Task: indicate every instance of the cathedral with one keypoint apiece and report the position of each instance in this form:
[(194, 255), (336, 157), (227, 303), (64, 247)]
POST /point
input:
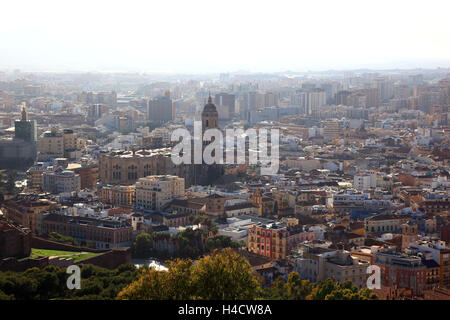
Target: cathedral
[(204, 174), (210, 116), (125, 167)]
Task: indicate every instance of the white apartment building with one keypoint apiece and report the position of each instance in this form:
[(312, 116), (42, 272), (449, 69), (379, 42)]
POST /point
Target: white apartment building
[(364, 181), (60, 181), (153, 192), (316, 99), (309, 100)]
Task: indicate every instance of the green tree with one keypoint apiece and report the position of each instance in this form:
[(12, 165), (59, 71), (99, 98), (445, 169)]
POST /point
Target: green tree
[(296, 288), (151, 285), (222, 275), (4, 296), (225, 275), (50, 283), (142, 245), (293, 289), (330, 290)]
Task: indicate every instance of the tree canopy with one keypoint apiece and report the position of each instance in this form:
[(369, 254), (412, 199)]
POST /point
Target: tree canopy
[(221, 275), (51, 283), (186, 244)]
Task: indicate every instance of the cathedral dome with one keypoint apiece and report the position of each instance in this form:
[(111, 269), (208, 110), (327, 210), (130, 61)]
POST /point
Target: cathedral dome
[(209, 107)]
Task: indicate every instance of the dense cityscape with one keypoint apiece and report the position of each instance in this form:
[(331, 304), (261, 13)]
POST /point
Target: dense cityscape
[(88, 179)]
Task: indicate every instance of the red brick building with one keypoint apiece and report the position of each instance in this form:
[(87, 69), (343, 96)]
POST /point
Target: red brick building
[(105, 233), (402, 271)]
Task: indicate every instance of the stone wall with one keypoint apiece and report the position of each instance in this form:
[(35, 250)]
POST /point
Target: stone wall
[(111, 259), (14, 241), (41, 243), (20, 265)]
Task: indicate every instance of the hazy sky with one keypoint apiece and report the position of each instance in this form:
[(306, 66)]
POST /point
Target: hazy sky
[(228, 35)]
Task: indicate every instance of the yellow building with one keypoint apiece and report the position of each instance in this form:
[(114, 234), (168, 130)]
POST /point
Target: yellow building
[(122, 196), (28, 212), (51, 144), (58, 144)]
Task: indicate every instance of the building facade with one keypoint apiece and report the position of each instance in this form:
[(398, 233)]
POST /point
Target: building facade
[(154, 192), (401, 271), (122, 196), (60, 181), (269, 240), (160, 109), (126, 167), (104, 233), (27, 211), (58, 144)]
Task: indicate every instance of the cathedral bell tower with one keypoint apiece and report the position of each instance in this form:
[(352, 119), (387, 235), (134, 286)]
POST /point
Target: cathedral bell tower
[(210, 116)]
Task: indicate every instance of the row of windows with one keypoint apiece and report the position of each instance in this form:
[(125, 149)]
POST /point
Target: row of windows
[(391, 228)]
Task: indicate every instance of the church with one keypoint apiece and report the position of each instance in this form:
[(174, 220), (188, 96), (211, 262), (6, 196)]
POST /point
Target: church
[(204, 174), (210, 116)]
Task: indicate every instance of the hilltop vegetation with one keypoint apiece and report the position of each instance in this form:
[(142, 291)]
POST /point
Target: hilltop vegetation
[(222, 275)]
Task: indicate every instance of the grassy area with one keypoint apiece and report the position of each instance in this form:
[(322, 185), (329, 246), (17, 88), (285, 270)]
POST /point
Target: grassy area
[(76, 256)]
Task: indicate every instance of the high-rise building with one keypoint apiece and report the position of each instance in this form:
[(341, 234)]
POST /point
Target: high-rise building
[(270, 99), (385, 88), (97, 110), (160, 109), (316, 98), (226, 99), (309, 100), (341, 97), (252, 101), (226, 106)]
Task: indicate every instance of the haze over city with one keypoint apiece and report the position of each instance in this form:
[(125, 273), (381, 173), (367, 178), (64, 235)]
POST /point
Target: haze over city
[(206, 36)]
